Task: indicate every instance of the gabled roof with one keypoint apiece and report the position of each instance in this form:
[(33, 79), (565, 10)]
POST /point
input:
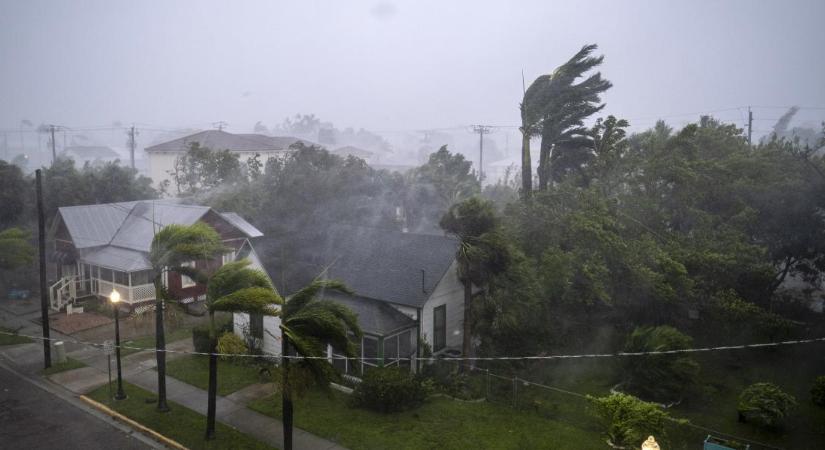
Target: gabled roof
[(379, 264), (119, 235), (374, 317), (221, 140)]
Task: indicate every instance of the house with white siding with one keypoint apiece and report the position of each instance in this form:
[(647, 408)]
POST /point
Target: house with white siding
[(162, 157), (406, 291)]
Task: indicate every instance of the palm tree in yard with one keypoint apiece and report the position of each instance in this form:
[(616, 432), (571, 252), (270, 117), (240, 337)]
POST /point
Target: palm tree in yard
[(555, 107), (234, 288), (172, 248), (482, 253), (308, 325)]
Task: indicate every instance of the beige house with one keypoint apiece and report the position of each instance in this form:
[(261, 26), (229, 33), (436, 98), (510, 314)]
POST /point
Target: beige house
[(162, 156)]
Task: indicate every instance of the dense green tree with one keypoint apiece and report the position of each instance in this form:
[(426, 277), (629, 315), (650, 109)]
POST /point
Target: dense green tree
[(203, 168), (659, 377), (14, 190), (764, 404), (173, 246), (482, 253), (15, 249), (629, 420), (234, 288), (308, 325)]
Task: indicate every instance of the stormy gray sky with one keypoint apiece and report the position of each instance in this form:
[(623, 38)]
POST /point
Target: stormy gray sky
[(397, 65)]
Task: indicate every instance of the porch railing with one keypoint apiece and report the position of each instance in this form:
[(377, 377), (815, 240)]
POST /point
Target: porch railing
[(129, 294)]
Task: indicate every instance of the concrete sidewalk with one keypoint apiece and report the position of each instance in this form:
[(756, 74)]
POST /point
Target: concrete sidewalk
[(231, 410), (138, 369)]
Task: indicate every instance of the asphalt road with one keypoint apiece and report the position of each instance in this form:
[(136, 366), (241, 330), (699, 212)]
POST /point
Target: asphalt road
[(32, 418)]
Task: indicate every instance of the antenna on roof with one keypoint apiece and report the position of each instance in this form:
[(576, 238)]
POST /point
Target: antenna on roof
[(423, 281), (220, 125)]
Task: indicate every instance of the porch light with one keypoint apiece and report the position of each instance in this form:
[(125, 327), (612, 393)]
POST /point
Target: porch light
[(115, 296), (650, 444)]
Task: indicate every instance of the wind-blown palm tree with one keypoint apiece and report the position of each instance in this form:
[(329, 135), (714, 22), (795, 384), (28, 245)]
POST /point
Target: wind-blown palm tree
[(555, 107), (172, 247), (234, 288), (308, 325), (481, 254)]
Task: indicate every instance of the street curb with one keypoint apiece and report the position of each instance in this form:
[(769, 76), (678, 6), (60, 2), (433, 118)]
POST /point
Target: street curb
[(139, 427)]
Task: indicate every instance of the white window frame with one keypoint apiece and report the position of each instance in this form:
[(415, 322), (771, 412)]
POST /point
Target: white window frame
[(185, 281), (228, 257)]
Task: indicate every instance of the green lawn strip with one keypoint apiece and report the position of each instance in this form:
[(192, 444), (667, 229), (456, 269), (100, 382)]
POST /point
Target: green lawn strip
[(148, 342), (69, 364), (439, 423), (6, 339), (194, 369), (181, 424)]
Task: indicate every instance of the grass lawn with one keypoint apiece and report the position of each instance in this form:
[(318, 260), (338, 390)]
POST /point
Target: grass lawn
[(148, 342), (69, 364), (181, 424), (440, 423), (194, 369), (6, 339)]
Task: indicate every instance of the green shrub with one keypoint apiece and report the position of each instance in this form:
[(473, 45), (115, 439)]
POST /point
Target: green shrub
[(200, 334), (764, 404), (200, 338), (818, 391), (628, 420), (446, 378), (660, 377), (389, 389), (231, 343)]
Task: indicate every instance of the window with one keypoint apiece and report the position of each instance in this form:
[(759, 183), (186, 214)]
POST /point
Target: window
[(370, 354), (185, 281), (391, 350), (256, 325), (142, 277), (106, 274), (439, 327), (228, 257), (121, 278)]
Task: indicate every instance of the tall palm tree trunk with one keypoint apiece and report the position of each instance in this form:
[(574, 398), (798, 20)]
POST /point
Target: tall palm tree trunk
[(526, 166), (467, 340), (213, 379), (285, 394), (544, 166), (160, 347)]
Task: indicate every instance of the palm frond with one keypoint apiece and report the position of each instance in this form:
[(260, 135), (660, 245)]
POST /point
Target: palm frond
[(308, 293), (255, 300)]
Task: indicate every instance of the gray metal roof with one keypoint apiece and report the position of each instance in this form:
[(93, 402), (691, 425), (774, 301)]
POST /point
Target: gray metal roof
[(376, 263), (241, 224), (117, 258), (138, 229), (221, 140), (119, 235), (374, 317)]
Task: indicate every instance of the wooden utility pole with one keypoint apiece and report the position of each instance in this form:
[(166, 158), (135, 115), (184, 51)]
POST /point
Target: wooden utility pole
[(481, 130), (750, 125), (41, 246), (132, 145), (54, 152)]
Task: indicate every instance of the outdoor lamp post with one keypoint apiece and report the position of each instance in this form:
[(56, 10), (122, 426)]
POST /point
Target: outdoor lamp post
[(115, 298), (650, 444)]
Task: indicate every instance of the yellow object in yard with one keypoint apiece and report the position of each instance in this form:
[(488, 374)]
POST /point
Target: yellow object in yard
[(650, 444)]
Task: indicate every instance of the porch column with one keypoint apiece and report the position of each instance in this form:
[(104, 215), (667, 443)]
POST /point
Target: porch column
[(129, 274), (381, 351)]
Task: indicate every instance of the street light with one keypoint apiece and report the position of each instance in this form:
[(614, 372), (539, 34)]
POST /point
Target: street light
[(650, 444), (115, 299)]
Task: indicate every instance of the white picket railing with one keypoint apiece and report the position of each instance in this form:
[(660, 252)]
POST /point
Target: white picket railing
[(128, 294), (62, 292)]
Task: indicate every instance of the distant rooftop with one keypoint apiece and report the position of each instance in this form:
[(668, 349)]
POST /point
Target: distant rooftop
[(221, 140)]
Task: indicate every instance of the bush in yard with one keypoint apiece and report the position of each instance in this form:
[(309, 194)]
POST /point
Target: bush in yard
[(200, 338), (660, 377), (628, 420), (389, 389), (818, 391), (231, 343), (764, 404)]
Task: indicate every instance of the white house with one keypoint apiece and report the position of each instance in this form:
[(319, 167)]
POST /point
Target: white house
[(162, 156), (406, 290)]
